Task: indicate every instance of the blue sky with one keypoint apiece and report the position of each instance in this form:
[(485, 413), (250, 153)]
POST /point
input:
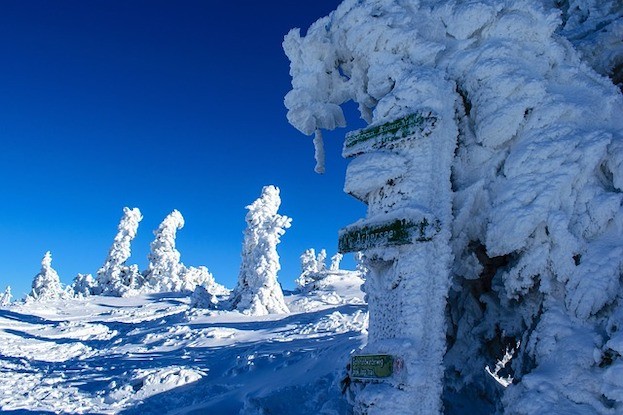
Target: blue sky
[(159, 105)]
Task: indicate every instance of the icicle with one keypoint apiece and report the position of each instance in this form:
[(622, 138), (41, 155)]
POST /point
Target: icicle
[(501, 364), (319, 152)]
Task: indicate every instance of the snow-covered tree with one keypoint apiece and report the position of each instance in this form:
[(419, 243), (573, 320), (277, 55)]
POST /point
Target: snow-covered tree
[(83, 285), (46, 285), (165, 272), (192, 277), (321, 260), (335, 262), (258, 292), (537, 176), (115, 277), (6, 297), (203, 298), (309, 267), (360, 264), (314, 267), (205, 290)]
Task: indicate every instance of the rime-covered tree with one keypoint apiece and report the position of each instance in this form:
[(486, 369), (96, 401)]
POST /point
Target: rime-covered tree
[(314, 267), (192, 277), (6, 297), (46, 285), (360, 264), (165, 272), (115, 277), (83, 285), (309, 267), (258, 292), (537, 177), (335, 262), (321, 260)]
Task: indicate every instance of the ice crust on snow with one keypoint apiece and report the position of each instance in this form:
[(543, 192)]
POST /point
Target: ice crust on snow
[(537, 176)]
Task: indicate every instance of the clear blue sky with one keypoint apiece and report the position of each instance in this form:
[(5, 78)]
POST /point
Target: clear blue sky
[(159, 105)]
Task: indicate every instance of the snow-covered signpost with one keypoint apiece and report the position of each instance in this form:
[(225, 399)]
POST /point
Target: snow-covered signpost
[(396, 172)]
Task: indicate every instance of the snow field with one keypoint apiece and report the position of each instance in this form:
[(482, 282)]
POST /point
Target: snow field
[(154, 354)]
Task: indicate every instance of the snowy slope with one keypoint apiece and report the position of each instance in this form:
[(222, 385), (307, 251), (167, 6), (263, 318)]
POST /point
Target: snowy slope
[(155, 354)]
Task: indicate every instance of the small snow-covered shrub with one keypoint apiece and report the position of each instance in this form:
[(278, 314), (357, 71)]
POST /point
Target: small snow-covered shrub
[(83, 285), (46, 284), (6, 297)]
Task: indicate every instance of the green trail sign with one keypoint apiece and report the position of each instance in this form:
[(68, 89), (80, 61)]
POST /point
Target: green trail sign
[(356, 238), (417, 125), (371, 366)]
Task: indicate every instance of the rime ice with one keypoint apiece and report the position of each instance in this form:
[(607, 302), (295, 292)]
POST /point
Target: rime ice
[(530, 218), (258, 291)]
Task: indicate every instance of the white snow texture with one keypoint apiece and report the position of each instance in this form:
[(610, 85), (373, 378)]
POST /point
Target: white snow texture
[(537, 176)]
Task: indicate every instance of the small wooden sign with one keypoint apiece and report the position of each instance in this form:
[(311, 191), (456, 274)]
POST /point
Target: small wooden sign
[(397, 232), (417, 125), (371, 366)]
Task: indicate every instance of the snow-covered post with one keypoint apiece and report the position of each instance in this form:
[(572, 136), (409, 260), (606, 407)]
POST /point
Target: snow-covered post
[(258, 292), (46, 284), (400, 168), (115, 277), (164, 270)]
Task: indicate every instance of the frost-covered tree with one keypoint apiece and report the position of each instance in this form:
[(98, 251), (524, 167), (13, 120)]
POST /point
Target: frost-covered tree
[(205, 290), (321, 260), (192, 277), (335, 262), (165, 272), (115, 277), (314, 267), (46, 285), (309, 268), (360, 264), (537, 177), (258, 292), (83, 285), (6, 297)]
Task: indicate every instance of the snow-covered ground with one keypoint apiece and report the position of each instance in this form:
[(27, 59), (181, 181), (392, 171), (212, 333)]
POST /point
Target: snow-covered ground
[(156, 354)]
